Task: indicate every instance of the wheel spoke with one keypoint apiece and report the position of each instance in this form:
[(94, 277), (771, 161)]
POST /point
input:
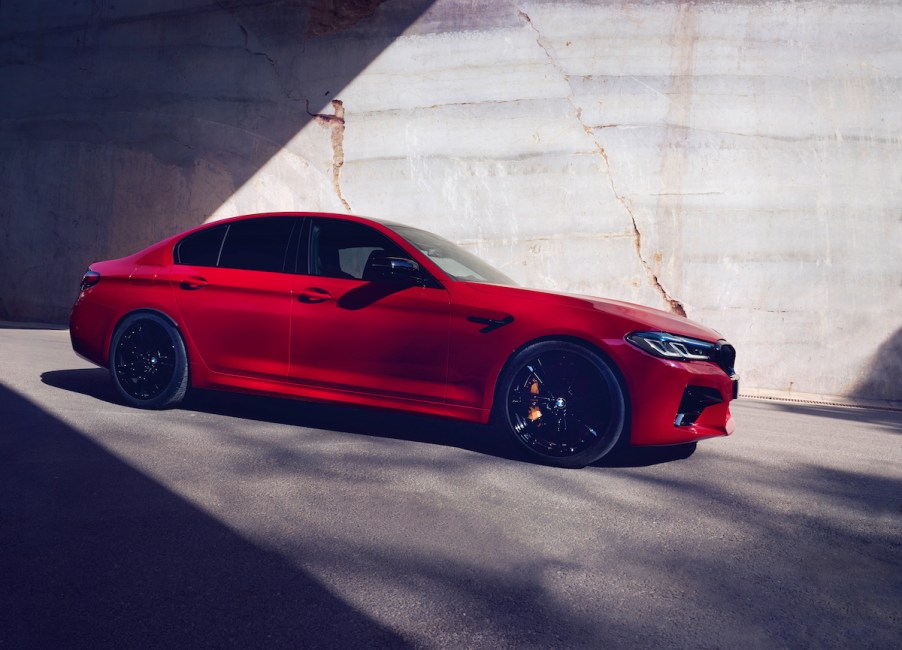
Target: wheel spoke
[(554, 374), (534, 382), (585, 426), (560, 382), (538, 372)]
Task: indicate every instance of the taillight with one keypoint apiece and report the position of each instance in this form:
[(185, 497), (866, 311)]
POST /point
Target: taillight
[(89, 279)]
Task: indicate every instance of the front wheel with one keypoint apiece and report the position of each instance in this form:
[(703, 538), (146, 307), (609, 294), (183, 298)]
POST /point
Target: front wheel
[(148, 362), (562, 402)]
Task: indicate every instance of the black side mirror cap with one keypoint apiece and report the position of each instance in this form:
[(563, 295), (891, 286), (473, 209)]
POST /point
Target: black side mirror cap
[(396, 267)]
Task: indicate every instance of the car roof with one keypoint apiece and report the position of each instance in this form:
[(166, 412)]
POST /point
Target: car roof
[(325, 215), (267, 215)]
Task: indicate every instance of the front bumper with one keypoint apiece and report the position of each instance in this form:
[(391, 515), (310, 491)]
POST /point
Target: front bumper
[(658, 396)]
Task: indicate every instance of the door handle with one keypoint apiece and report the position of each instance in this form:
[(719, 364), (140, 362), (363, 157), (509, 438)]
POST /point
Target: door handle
[(193, 283), (314, 295)]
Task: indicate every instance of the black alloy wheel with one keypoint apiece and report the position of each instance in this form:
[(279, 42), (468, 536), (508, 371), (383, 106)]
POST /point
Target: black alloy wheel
[(148, 362), (563, 403)]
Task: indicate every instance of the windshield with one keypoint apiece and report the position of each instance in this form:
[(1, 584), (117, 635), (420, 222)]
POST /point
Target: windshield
[(451, 258)]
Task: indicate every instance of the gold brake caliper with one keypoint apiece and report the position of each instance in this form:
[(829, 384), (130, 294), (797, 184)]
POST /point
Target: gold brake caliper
[(534, 412)]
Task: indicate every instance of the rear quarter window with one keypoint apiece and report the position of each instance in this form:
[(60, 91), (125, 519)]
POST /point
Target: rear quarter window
[(201, 248)]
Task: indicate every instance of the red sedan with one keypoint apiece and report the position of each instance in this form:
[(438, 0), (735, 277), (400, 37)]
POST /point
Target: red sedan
[(343, 309)]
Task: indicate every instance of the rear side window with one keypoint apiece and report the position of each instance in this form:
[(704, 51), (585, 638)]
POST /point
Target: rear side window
[(257, 244), (202, 248)]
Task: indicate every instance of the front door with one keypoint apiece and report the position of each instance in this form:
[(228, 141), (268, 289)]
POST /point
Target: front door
[(353, 328)]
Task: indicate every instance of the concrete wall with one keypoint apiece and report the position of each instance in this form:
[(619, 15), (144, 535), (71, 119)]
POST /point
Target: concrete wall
[(738, 162)]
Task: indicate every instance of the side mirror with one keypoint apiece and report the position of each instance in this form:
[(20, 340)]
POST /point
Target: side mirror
[(387, 268)]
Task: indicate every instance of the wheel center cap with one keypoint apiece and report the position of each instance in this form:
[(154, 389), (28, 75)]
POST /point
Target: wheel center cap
[(560, 403)]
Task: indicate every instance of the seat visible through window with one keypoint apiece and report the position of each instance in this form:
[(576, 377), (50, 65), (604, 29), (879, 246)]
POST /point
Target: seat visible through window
[(346, 249)]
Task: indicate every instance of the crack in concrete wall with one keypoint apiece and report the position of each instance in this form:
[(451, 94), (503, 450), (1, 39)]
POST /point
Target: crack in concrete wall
[(674, 170), (335, 123), (250, 51), (675, 305)]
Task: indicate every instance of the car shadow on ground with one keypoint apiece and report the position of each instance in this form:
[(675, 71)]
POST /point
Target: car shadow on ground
[(482, 439)]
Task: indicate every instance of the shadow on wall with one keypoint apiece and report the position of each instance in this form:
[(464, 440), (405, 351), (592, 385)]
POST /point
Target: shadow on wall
[(95, 554), (131, 122), (884, 379)]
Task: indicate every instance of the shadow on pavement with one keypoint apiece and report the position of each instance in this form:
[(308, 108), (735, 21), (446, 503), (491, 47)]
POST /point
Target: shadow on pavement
[(14, 325), (646, 456), (93, 553), (773, 550), (95, 382), (891, 420)]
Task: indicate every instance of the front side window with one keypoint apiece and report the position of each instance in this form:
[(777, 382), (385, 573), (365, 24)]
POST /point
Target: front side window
[(347, 249), (257, 244)]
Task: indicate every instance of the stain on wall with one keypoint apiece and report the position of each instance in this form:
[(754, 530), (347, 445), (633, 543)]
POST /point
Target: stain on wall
[(333, 16)]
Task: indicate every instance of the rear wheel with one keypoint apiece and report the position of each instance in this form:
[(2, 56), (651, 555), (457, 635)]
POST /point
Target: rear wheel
[(148, 362), (562, 402)]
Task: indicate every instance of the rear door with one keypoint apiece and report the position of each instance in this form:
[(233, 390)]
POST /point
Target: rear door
[(234, 294)]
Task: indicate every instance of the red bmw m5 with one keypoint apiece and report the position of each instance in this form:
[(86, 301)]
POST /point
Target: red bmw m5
[(342, 309)]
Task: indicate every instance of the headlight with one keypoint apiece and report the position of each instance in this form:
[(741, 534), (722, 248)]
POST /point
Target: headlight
[(671, 346)]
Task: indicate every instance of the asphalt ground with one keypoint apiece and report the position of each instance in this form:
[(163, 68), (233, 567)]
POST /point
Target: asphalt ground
[(238, 521)]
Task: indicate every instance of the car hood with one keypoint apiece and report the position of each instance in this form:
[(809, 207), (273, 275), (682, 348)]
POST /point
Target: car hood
[(643, 317)]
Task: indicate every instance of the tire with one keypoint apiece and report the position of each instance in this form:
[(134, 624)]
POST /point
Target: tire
[(148, 362), (562, 402)]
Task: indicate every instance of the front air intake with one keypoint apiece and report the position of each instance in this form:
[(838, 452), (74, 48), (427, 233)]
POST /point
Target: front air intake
[(695, 400)]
